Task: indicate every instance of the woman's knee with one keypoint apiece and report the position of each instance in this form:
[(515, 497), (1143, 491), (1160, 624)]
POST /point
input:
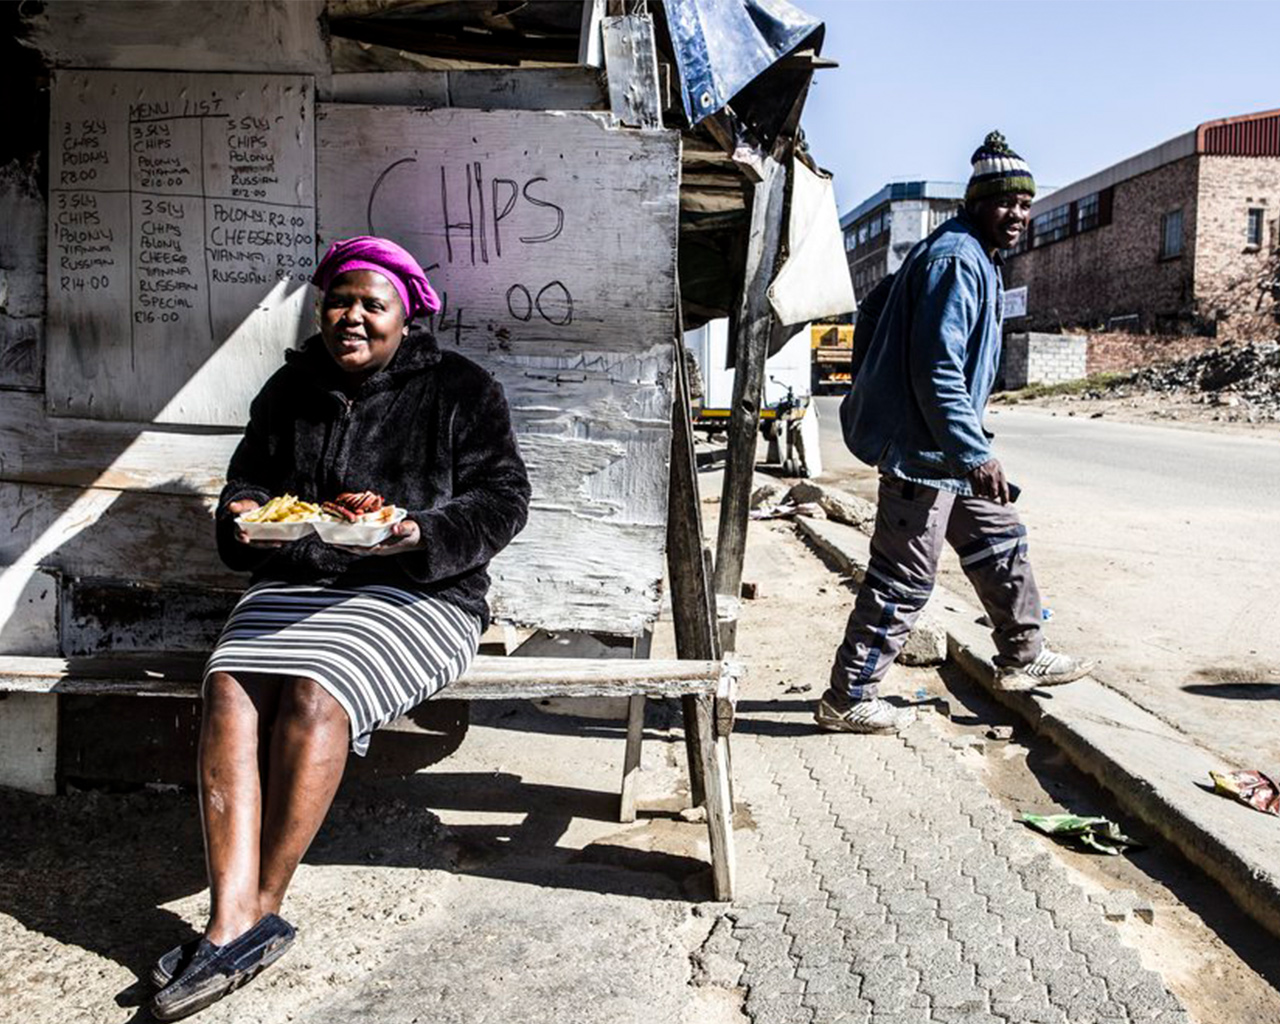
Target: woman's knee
[(226, 696), (306, 703)]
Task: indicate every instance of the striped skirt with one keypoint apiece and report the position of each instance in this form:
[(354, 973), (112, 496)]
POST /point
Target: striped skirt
[(378, 650)]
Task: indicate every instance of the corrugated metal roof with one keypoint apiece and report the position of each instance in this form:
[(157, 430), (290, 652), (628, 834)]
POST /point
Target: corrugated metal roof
[(1250, 135)]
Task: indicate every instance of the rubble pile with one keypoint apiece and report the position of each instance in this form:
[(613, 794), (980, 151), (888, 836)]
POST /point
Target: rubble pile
[(1239, 377)]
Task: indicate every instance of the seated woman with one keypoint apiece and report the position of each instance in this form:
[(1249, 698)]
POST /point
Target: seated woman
[(330, 643)]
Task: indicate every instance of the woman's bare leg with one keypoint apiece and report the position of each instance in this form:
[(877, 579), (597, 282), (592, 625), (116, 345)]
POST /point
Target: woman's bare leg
[(308, 754), (235, 716)]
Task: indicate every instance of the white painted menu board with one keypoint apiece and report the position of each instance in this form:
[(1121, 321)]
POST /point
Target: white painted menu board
[(181, 237), (551, 238)]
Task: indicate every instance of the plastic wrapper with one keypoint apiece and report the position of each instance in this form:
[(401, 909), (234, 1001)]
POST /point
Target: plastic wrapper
[(1250, 787)]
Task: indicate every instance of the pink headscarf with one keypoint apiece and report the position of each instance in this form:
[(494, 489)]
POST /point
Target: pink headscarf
[(397, 265)]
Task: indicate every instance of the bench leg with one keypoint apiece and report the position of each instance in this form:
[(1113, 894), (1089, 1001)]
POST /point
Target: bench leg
[(713, 752), (697, 787), (631, 759)]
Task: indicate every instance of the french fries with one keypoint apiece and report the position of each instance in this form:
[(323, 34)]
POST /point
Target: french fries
[(287, 508)]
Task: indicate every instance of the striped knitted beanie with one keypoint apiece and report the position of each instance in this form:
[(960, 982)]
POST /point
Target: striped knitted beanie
[(997, 170)]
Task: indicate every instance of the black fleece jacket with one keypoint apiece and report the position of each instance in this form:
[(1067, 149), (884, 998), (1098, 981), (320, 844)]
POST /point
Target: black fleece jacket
[(431, 432)]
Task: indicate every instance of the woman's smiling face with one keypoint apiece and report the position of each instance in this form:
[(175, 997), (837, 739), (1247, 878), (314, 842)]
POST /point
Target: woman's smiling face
[(362, 321)]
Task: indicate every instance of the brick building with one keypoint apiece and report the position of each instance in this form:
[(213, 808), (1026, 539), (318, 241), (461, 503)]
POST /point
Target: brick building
[(1181, 239), (880, 231)]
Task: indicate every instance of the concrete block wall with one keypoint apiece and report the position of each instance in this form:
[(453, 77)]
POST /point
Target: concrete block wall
[(1035, 358)]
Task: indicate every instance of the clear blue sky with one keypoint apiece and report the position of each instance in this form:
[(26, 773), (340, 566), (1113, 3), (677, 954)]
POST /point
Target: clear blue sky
[(1074, 85)]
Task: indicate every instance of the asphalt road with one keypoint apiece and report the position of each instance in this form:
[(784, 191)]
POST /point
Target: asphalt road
[(1157, 550)]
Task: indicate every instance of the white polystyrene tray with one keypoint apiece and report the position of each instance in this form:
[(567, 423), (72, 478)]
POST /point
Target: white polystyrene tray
[(275, 531), (361, 535)]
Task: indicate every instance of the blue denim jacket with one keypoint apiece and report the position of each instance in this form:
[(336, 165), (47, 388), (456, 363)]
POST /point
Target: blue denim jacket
[(915, 409)]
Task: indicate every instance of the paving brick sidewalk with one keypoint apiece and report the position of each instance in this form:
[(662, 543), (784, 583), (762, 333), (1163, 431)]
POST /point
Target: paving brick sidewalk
[(884, 884)]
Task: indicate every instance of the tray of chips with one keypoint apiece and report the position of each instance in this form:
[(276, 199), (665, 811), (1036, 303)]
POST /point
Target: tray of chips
[(282, 518)]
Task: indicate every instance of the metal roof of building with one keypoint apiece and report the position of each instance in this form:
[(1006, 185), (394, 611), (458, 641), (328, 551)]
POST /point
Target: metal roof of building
[(1250, 135), (896, 190)]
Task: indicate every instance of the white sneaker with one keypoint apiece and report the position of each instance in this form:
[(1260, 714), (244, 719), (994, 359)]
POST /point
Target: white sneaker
[(873, 715), (1050, 668)]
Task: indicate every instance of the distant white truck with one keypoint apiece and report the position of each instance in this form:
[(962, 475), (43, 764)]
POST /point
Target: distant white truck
[(788, 412)]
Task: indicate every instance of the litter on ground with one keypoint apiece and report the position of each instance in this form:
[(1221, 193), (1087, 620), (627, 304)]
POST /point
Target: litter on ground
[(1250, 787), (1101, 834)]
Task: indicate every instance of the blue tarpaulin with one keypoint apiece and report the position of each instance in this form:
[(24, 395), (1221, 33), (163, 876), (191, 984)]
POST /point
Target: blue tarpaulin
[(721, 46)]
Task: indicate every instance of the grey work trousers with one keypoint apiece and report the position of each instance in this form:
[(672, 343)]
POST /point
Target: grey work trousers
[(912, 522)]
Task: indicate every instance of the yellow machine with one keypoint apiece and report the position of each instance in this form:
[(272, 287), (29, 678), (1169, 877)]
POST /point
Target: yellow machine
[(832, 346)]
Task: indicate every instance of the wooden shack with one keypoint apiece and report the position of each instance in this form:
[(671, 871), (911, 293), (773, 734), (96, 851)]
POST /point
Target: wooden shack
[(176, 169)]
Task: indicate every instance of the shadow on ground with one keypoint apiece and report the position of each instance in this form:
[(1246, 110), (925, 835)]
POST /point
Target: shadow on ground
[(95, 869), (1236, 691)]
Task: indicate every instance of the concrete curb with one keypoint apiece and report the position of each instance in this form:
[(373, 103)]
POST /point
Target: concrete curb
[(1156, 773)]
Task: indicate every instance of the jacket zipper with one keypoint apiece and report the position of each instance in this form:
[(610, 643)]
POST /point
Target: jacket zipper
[(340, 442)]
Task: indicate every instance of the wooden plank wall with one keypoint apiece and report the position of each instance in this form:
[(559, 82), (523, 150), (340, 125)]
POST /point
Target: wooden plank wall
[(22, 259), (104, 513), (108, 544), (551, 238), (279, 36)]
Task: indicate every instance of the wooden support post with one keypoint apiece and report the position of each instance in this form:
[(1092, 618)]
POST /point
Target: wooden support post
[(693, 753), (692, 606), (754, 323), (631, 758), (715, 766), (640, 648)]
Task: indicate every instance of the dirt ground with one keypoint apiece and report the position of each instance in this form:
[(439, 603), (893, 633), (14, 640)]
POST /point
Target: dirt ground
[(1186, 409), (498, 884)]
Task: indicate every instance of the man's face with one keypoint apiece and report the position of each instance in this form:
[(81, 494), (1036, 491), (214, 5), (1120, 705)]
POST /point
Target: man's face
[(1002, 219)]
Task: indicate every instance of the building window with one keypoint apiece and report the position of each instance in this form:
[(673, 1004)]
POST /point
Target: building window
[(940, 214), (1051, 226), (1087, 213), (1171, 235), (1254, 237)]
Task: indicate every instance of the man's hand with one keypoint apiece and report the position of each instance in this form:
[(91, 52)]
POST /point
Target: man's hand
[(988, 482), (239, 508), (405, 536)]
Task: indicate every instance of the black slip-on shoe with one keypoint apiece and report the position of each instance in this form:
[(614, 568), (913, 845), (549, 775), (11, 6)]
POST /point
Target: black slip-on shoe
[(215, 971), (173, 963)]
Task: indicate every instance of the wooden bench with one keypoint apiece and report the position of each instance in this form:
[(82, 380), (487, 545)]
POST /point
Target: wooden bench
[(711, 685)]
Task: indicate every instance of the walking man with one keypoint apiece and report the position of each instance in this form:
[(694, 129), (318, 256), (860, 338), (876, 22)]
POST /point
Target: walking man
[(915, 412)]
